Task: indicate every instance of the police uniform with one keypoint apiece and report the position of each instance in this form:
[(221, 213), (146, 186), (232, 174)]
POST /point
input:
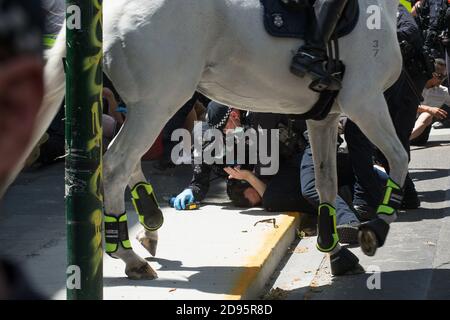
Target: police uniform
[(202, 172), (403, 99)]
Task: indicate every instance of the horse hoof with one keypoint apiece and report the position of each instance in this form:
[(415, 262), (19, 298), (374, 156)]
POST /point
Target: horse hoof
[(343, 262), (142, 272), (372, 235), (368, 242), (149, 242)]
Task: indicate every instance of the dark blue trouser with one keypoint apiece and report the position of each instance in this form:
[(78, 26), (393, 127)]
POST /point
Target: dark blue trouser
[(367, 189), (402, 104), (308, 186)]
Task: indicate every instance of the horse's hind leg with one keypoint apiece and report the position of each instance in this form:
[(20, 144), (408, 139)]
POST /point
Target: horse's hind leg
[(372, 117), (323, 138), (146, 205), (136, 136)]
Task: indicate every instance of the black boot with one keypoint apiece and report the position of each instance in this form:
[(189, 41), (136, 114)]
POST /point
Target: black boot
[(312, 57), (410, 198)]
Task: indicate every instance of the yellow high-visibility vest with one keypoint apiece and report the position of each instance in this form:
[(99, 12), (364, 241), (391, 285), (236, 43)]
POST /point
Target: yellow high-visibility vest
[(406, 4)]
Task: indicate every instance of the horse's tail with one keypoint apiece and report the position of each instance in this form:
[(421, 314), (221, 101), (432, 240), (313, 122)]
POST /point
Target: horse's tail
[(54, 94)]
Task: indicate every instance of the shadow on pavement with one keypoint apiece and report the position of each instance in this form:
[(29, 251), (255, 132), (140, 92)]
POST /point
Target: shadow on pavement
[(419, 215), (422, 174), (431, 144), (420, 284), (202, 275)]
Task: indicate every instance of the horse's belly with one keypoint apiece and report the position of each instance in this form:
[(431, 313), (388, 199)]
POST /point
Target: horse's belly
[(258, 79), (249, 96)]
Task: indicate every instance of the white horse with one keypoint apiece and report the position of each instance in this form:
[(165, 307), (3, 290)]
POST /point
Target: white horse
[(158, 52)]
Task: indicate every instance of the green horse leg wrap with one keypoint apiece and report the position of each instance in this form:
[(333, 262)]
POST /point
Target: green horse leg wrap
[(147, 207), (116, 233), (392, 199), (328, 237)]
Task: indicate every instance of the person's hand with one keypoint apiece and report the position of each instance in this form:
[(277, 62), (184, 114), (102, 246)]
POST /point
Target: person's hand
[(438, 113), (183, 199), (237, 173)]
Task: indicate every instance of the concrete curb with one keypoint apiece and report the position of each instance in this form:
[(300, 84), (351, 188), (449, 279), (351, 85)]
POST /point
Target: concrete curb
[(250, 284)]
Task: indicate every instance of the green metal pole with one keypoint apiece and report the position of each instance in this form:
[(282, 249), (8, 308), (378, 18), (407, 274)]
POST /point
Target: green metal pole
[(84, 149)]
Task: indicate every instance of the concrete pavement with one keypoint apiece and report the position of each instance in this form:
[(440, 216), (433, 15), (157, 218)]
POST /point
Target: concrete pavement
[(413, 264), (220, 252), (217, 252)]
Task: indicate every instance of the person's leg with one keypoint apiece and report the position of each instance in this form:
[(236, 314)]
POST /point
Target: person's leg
[(346, 221), (367, 188), (403, 106), (346, 177), (402, 103), (312, 56)]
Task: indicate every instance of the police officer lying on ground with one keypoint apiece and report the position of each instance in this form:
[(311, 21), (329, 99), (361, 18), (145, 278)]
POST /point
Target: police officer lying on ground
[(280, 192)]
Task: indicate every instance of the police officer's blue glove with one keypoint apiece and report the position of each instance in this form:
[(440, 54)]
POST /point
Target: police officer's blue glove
[(183, 199)]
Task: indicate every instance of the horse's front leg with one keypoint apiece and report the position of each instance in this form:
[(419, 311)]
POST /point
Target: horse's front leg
[(323, 139), (120, 163), (147, 207)]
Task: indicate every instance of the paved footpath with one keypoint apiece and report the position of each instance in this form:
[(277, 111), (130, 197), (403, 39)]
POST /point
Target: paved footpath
[(413, 264), (217, 252), (221, 252)]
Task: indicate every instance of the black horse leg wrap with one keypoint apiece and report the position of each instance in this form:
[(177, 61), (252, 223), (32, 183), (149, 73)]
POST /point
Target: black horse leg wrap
[(327, 238), (116, 233), (147, 207)]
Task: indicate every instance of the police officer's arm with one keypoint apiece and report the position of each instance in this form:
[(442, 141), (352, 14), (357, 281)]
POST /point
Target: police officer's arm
[(200, 181), (407, 29)]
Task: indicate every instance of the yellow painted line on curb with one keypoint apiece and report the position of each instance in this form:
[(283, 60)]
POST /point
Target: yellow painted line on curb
[(256, 262)]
